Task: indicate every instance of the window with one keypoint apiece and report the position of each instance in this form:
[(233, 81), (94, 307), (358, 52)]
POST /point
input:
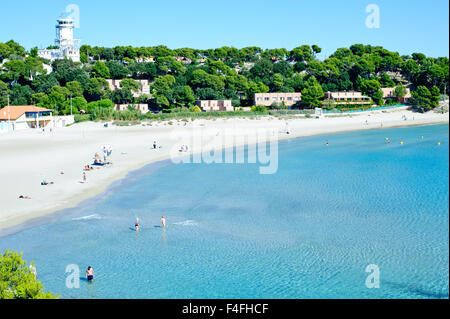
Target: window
[(259, 99), (274, 99), (296, 98), (289, 98), (266, 99), (281, 98)]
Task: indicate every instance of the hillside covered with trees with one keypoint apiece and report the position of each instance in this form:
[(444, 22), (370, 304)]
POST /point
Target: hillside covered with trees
[(179, 77)]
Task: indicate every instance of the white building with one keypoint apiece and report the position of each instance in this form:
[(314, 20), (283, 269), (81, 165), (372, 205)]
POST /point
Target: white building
[(143, 90), (20, 117), (215, 105), (68, 47), (143, 108)]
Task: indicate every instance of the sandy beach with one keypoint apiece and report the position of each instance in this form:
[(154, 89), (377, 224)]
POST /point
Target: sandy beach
[(28, 157)]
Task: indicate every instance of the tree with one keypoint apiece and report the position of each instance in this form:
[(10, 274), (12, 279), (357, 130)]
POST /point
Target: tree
[(100, 70), (17, 281), (424, 99), (97, 89), (130, 84), (75, 88), (400, 91), (4, 91), (328, 104), (162, 101), (44, 83), (184, 96), (262, 71), (372, 88), (5, 51), (208, 94), (75, 106), (105, 104), (20, 95), (386, 81), (40, 99), (312, 94), (163, 84), (117, 70), (316, 49), (122, 96), (302, 53)]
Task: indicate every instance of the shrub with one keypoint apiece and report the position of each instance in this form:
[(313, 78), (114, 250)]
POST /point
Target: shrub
[(17, 281)]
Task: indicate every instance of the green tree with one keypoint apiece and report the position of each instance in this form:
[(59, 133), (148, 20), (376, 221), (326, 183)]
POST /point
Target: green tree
[(316, 49), (278, 82), (4, 91), (372, 88), (75, 88), (100, 70), (424, 99), (40, 99), (117, 70), (312, 94), (17, 280), (130, 84), (400, 91), (302, 53), (20, 95), (122, 96), (98, 89), (184, 96)]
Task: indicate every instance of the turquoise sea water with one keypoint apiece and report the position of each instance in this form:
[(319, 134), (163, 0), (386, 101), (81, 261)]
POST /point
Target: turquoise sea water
[(308, 231)]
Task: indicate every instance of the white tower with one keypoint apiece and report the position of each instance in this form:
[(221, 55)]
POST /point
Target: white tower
[(65, 41), (68, 47)]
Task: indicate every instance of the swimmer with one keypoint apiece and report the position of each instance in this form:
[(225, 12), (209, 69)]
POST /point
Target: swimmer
[(136, 225), (90, 274), (163, 221), (326, 143)]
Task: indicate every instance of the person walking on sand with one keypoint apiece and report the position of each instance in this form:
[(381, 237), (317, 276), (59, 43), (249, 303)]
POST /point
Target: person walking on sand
[(90, 274), (154, 145), (84, 177), (163, 221)]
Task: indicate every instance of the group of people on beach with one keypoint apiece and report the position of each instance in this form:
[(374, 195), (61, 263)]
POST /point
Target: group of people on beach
[(184, 148)]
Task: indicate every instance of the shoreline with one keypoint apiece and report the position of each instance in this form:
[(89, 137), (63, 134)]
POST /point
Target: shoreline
[(12, 223)]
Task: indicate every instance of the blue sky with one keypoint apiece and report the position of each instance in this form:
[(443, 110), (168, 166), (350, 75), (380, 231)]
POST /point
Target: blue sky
[(406, 26)]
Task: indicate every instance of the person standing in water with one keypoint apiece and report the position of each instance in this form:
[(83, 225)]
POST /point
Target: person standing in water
[(90, 274), (136, 225), (163, 221)]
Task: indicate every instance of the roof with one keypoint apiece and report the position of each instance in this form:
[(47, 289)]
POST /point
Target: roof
[(16, 111)]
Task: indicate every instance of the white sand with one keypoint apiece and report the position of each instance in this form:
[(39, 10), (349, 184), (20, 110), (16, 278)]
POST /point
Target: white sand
[(28, 157)]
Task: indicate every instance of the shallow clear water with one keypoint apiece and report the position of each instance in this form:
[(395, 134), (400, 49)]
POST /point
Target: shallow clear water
[(308, 231)]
